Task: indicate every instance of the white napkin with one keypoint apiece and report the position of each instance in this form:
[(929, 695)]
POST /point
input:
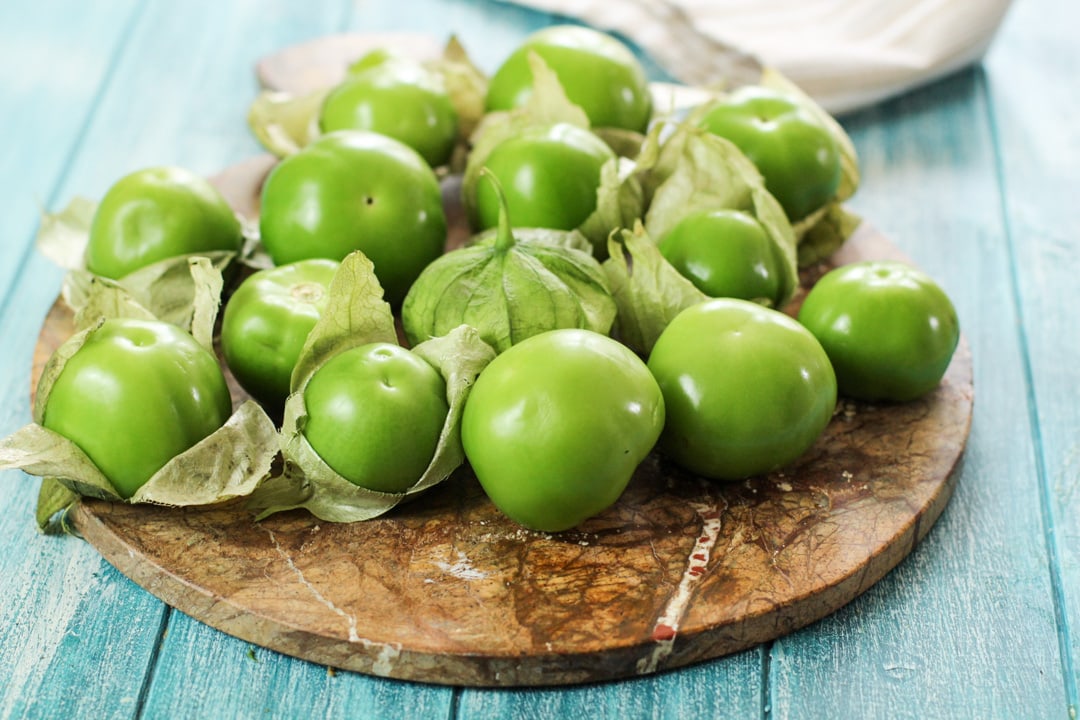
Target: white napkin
[(844, 53)]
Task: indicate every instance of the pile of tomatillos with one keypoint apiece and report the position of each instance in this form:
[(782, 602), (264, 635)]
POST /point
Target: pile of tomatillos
[(621, 291)]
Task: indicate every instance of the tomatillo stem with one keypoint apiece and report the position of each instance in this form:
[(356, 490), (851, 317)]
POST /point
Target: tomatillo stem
[(504, 236)]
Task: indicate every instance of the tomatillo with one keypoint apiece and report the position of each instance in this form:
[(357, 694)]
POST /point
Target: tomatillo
[(355, 190), (796, 154), (135, 395), (555, 426), (889, 329), (598, 73), (550, 175), (725, 253), (748, 390), (155, 214), (266, 323), (397, 98), (510, 285), (374, 415)]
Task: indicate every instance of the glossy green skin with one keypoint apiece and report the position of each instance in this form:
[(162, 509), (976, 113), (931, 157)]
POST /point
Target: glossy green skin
[(598, 73), (550, 175), (355, 190), (797, 155), (134, 396), (266, 322), (889, 329), (555, 426), (374, 415), (397, 99), (155, 214), (748, 390), (725, 253)]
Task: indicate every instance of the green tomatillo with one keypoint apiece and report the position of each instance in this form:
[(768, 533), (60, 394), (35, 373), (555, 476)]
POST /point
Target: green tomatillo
[(726, 253), (888, 328), (598, 73), (374, 415), (795, 153), (550, 175), (747, 389), (134, 395), (267, 321), (356, 190), (396, 97), (155, 214), (510, 285), (556, 425)]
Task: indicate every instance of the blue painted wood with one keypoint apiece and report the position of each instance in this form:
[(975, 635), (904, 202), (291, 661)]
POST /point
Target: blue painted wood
[(59, 602), (729, 687), (942, 621), (1033, 90), (204, 673), (974, 177)]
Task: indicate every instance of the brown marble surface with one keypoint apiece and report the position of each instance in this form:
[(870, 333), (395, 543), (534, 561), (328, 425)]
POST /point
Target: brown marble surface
[(446, 590)]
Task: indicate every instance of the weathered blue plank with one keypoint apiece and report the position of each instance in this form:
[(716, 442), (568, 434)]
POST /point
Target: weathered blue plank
[(204, 673), (726, 688), (965, 627), (1032, 77), (55, 640)]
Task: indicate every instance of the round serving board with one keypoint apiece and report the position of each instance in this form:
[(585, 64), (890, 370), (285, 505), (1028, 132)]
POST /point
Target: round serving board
[(447, 590)]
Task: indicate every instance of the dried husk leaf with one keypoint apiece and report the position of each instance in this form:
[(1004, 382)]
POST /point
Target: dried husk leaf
[(36, 450), (184, 291), (648, 290), (53, 498), (207, 284), (620, 202), (355, 314), (62, 236), (104, 299), (545, 280), (466, 85), (230, 462), (624, 143), (283, 123), (459, 357), (831, 230)]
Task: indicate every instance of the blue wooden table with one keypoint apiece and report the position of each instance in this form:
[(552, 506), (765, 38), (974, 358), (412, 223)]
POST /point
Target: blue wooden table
[(976, 177)]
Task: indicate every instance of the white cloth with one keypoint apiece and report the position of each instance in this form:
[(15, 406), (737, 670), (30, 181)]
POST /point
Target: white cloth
[(844, 53)]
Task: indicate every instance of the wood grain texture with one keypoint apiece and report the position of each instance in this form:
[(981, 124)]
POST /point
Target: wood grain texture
[(448, 590)]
